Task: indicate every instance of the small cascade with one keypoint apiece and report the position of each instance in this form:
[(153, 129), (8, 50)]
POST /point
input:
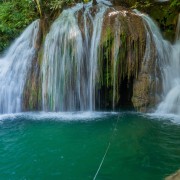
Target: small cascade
[(171, 101), (61, 63), (93, 49), (158, 53), (168, 62), (70, 59), (153, 35), (14, 66)]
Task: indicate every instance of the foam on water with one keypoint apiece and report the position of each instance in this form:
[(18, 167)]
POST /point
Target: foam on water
[(59, 116), (174, 118)]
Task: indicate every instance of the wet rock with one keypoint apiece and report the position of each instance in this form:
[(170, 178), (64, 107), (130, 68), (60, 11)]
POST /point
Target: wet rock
[(175, 176), (32, 90)]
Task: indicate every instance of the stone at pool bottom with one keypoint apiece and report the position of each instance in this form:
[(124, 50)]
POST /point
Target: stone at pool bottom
[(175, 176)]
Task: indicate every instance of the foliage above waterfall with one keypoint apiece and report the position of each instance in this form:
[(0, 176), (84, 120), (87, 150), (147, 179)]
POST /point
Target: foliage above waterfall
[(165, 13), (14, 17), (17, 14)]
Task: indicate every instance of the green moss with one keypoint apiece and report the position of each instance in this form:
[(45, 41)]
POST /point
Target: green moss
[(123, 65)]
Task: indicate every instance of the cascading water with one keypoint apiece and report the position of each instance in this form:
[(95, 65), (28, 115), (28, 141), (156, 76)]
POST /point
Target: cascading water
[(70, 60), (81, 59), (171, 100), (168, 61), (92, 60), (61, 62), (153, 35), (14, 66)]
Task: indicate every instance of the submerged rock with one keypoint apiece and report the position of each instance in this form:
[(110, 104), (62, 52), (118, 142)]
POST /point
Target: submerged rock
[(175, 176)]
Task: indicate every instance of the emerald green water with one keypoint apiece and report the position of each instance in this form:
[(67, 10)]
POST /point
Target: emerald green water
[(71, 146)]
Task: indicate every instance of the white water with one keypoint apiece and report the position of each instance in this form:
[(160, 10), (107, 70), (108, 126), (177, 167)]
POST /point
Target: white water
[(70, 61), (171, 100), (163, 47), (14, 66), (62, 62), (70, 67), (59, 116), (168, 60)]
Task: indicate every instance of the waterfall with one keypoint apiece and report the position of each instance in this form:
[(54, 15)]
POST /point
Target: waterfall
[(14, 66), (70, 65), (91, 56), (171, 100), (61, 62), (163, 47), (168, 61)]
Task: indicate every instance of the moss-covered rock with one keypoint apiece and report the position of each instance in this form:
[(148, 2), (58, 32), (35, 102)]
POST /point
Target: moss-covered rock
[(165, 13), (32, 90), (143, 93), (120, 56)]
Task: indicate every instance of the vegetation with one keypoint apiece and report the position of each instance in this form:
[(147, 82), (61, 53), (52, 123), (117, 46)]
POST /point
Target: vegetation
[(16, 15), (166, 15)]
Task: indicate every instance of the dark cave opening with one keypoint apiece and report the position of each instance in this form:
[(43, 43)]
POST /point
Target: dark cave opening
[(126, 92), (104, 96)]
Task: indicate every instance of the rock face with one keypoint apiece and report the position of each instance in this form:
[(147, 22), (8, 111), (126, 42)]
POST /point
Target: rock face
[(145, 85), (32, 90), (143, 93), (121, 53), (125, 78), (128, 70)]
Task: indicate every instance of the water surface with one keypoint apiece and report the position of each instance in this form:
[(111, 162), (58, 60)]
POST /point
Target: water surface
[(71, 146)]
